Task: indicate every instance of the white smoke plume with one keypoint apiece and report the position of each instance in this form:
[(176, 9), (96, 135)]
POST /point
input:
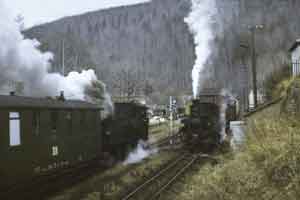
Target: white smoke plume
[(96, 92), (139, 154), (21, 61), (200, 22)]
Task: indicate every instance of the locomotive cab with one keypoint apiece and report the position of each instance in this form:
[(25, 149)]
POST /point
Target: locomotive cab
[(125, 128), (203, 124)]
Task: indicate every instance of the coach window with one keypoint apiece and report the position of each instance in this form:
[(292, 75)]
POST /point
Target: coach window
[(36, 122), (54, 120), (14, 129)]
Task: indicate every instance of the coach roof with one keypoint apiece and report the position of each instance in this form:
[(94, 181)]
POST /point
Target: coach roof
[(13, 101)]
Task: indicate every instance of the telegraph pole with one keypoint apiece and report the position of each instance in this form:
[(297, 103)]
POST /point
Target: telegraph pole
[(63, 57), (243, 80), (254, 60)]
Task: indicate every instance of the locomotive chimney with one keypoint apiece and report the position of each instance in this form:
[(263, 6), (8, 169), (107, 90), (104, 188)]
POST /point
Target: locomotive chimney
[(62, 96)]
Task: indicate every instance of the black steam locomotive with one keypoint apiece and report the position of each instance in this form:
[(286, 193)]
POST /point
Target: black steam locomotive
[(43, 136), (209, 115), (123, 130)]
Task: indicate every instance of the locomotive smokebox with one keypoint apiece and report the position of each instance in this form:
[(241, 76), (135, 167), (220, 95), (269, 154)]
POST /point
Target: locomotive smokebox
[(62, 96)]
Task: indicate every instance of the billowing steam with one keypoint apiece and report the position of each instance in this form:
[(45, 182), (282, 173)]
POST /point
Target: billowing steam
[(200, 22), (22, 62), (96, 93), (140, 153)]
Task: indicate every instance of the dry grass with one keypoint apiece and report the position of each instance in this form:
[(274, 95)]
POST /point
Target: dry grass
[(281, 88), (268, 166), (112, 183), (276, 78)]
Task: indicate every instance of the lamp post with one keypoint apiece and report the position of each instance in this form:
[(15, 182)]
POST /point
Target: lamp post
[(63, 58), (244, 81), (254, 60)]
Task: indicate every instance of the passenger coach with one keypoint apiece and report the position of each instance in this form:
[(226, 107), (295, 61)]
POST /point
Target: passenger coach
[(39, 136)]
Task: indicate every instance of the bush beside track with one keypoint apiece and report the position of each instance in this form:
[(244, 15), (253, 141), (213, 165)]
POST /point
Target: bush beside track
[(267, 167)]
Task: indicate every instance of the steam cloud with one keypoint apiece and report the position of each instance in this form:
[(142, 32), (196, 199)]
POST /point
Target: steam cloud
[(200, 22), (21, 61), (139, 154)]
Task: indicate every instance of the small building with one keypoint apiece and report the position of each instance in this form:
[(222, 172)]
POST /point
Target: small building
[(295, 54)]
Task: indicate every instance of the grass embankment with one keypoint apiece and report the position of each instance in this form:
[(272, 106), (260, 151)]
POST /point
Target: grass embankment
[(267, 167), (114, 182)]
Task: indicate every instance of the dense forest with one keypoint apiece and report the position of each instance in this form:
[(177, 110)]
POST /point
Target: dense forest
[(150, 46), (131, 48)]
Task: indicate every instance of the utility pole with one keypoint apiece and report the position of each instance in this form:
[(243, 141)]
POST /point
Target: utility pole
[(243, 80), (63, 57), (245, 85), (254, 60), (171, 115)]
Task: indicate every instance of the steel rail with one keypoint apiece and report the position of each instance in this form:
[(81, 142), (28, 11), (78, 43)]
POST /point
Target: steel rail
[(141, 187), (165, 140), (178, 174)]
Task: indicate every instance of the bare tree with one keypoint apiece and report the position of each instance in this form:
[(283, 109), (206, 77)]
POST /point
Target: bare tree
[(96, 91), (148, 89), (127, 83), (130, 83)]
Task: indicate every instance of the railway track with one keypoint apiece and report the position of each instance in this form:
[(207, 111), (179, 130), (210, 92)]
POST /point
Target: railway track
[(45, 186), (165, 141), (155, 186)]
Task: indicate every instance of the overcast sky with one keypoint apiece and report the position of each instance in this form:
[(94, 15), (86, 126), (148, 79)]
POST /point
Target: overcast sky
[(39, 11)]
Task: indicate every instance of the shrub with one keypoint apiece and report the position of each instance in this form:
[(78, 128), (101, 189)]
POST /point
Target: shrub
[(268, 167), (271, 83)]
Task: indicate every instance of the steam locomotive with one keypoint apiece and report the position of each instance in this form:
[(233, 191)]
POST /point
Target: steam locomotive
[(123, 130), (42, 136), (208, 120)]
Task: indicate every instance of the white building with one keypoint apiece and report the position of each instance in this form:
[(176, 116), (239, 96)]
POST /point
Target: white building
[(295, 53)]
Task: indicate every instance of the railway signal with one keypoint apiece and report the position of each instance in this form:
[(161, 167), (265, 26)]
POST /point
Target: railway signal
[(172, 109)]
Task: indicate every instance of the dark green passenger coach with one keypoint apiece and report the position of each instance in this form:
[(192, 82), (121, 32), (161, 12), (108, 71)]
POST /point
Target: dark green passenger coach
[(40, 136)]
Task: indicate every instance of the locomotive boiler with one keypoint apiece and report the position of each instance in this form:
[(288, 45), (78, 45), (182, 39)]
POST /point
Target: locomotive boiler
[(207, 122)]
